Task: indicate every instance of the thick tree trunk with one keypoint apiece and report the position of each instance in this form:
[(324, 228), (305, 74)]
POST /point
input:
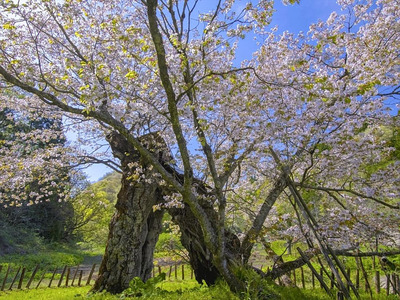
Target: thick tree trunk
[(134, 228), (193, 241)]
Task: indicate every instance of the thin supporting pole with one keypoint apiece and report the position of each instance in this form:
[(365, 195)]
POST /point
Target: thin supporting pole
[(33, 276), (90, 274), (52, 277), (21, 279), (5, 278), (62, 276), (320, 279), (15, 278), (41, 278)]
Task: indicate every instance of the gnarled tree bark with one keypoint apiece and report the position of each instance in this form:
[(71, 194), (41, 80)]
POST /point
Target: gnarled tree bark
[(135, 227)]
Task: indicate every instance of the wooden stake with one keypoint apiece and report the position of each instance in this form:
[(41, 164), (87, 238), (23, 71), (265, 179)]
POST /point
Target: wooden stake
[(357, 278), (367, 285), (33, 276), (67, 276), (387, 284), (159, 270), (320, 279), (52, 277), (348, 275), (80, 277), (377, 282), (62, 276), (90, 274), (41, 278), (183, 272), (303, 283), (170, 272), (321, 273), (21, 279), (394, 283), (75, 273), (15, 278), (5, 278)]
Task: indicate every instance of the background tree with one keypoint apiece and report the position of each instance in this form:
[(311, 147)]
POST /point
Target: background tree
[(20, 136)]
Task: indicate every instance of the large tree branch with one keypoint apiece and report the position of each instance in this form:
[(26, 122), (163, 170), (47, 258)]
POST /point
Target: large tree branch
[(286, 267), (101, 116), (248, 242), (350, 191)]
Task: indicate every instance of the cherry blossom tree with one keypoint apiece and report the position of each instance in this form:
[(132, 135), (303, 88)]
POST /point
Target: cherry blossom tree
[(156, 77)]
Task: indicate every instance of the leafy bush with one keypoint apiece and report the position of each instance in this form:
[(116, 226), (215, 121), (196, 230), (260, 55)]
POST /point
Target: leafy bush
[(138, 288)]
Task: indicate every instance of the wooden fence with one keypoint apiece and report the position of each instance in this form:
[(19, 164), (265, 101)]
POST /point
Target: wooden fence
[(68, 276), (22, 278), (306, 278), (378, 282)]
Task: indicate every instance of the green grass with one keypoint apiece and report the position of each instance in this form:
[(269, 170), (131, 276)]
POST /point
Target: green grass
[(173, 291), (48, 293)]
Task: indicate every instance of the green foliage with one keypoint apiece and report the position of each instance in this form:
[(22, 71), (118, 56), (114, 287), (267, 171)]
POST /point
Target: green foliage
[(17, 239), (49, 217), (168, 242), (93, 209), (46, 259), (138, 288)]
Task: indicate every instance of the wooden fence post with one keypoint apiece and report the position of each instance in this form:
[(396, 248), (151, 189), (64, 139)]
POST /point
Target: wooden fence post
[(357, 278), (41, 278), (32, 277), (321, 273), (348, 275), (5, 278), (367, 285), (394, 283), (387, 284), (21, 279), (75, 273), (377, 282), (52, 277), (90, 274), (67, 277), (80, 278), (62, 276), (321, 280), (15, 278)]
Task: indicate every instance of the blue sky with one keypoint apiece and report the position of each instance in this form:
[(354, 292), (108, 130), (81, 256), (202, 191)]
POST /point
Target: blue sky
[(293, 18)]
